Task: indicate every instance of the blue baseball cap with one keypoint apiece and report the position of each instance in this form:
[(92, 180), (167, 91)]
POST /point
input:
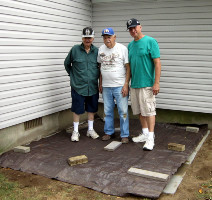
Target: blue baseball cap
[(108, 31)]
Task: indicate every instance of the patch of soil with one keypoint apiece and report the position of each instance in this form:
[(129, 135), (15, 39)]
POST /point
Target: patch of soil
[(198, 173)]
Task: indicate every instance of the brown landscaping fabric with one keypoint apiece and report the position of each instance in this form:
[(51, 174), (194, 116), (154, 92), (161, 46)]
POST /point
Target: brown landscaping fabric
[(107, 171)]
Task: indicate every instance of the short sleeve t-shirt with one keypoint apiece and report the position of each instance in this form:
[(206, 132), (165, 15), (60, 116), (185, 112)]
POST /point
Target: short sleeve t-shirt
[(113, 62), (141, 55)]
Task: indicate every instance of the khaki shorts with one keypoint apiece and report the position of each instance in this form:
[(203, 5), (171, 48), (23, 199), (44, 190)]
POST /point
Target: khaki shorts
[(143, 101)]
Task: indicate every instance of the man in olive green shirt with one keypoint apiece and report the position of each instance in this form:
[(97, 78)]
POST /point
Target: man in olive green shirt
[(82, 67)]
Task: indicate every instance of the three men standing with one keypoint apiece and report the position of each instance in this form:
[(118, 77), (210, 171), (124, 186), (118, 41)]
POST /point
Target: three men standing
[(142, 63)]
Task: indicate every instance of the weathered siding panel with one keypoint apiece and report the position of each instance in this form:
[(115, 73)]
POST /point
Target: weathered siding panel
[(184, 32), (35, 37)]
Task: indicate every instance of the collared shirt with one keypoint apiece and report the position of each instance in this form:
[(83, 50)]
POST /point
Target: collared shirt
[(83, 69)]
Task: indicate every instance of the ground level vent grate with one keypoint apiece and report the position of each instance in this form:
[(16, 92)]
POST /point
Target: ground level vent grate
[(33, 123)]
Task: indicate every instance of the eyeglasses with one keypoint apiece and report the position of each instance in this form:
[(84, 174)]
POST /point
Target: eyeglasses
[(87, 38)]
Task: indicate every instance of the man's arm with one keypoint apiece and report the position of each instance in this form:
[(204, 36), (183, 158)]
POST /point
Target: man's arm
[(67, 63), (100, 79), (156, 86), (125, 89)]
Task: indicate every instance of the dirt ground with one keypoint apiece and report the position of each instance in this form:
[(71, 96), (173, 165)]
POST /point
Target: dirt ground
[(197, 183)]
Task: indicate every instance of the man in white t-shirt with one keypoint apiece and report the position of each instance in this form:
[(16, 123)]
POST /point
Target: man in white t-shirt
[(114, 83)]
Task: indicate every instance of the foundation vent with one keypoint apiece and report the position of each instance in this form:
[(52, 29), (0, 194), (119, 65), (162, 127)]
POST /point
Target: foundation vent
[(33, 123)]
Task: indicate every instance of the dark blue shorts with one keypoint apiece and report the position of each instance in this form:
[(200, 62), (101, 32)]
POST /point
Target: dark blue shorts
[(80, 103)]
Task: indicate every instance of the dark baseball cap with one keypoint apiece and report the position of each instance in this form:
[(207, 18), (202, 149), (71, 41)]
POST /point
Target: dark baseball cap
[(132, 23), (88, 32)]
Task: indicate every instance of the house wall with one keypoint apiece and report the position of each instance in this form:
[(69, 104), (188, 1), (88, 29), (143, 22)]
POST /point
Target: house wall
[(35, 37), (184, 33)]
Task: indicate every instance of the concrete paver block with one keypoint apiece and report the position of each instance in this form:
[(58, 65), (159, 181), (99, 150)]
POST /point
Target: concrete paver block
[(77, 160), (112, 146), (117, 129), (148, 174), (192, 129), (176, 147), (21, 149)]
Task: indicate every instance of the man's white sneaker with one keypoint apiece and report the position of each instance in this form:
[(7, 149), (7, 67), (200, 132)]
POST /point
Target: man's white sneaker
[(140, 138), (92, 133), (149, 145), (75, 136)]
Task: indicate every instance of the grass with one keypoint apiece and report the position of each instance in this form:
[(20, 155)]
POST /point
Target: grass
[(11, 190), (205, 191), (8, 190)]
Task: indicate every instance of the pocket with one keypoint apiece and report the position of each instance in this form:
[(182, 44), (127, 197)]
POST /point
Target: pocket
[(79, 64), (78, 60), (94, 64), (151, 104), (148, 93), (141, 52)]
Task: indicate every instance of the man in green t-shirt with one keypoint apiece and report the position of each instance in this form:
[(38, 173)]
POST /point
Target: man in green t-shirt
[(144, 59), (82, 67)]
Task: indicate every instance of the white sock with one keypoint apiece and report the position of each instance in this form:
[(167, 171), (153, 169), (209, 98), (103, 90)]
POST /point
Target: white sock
[(151, 134), (76, 124), (90, 125), (145, 131)]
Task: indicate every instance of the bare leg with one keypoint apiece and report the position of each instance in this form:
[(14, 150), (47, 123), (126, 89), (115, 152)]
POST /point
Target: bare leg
[(76, 117), (148, 122), (151, 123), (91, 116), (143, 121)]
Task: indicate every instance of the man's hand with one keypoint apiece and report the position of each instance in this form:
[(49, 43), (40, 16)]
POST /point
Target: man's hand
[(156, 88), (100, 88), (125, 90), (100, 81)]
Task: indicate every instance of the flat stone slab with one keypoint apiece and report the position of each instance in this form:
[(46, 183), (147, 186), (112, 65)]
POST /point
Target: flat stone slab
[(76, 160), (176, 147), (192, 129), (21, 149), (148, 174), (112, 146)]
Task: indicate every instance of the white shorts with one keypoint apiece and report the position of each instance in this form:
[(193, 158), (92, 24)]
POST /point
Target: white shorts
[(143, 101)]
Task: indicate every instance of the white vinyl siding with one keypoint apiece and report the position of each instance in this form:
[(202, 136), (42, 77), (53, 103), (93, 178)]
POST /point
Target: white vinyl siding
[(35, 37), (183, 29)]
